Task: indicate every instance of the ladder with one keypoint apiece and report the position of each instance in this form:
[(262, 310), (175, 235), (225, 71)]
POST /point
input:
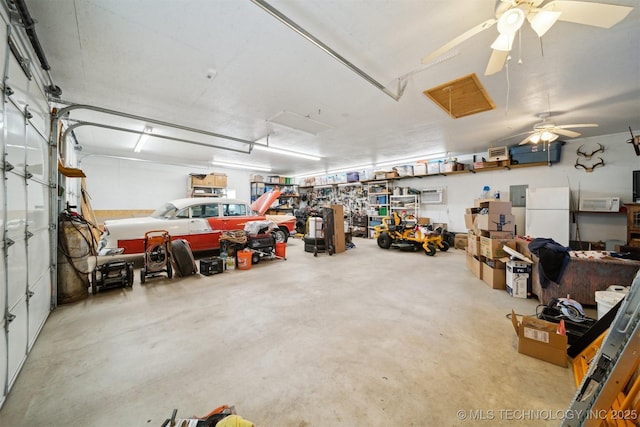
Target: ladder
[(611, 369)]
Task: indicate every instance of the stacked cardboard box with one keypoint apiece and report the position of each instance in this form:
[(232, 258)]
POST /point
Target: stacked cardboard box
[(473, 242), (495, 226)]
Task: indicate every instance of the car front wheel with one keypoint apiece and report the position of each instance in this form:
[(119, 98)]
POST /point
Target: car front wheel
[(281, 235)]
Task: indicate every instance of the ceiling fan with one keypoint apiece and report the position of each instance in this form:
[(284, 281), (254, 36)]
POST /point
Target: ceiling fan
[(511, 14), (547, 132)]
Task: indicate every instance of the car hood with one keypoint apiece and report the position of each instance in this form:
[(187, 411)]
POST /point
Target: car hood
[(264, 202)]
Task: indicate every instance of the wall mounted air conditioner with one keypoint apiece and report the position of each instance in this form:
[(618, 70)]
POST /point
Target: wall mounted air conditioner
[(497, 154), (600, 204), (432, 195)]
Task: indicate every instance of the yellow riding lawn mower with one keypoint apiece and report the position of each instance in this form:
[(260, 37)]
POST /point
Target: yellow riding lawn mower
[(406, 234)]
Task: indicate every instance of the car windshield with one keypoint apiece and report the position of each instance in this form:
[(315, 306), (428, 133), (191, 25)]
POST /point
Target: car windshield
[(166, 211)]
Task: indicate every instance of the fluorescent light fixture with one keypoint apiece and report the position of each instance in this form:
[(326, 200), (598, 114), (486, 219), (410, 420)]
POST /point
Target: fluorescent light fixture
[(411, 159), (143, 138), (285, 152), (241, 166)]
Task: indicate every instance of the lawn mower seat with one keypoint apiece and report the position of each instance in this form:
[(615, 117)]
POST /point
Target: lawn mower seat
[(395, 223)]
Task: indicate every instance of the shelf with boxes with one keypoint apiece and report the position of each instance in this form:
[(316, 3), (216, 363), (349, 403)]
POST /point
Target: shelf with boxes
[(288, 201), (207, 185), (491, 227), (405, 204), (378, 203)]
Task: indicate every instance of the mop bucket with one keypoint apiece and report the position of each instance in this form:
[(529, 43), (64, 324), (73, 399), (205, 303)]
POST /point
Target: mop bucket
[(244, 260), (281, 249)]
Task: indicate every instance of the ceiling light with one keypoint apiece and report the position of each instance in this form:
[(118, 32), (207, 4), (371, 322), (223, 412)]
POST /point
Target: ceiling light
[(285, 152), (144, 136), (511, 21), (548, 136), (241, 166), (535, 138), (543, 21), (504, 42)]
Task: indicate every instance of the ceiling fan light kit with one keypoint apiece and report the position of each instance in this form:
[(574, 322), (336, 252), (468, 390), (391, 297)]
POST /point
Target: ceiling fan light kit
[(511, 14)]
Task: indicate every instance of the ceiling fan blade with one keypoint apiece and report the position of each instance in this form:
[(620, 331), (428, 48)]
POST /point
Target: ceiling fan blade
[(542, 21), (461, 38), (597, 14), (496, 61), (581, 125), (525, 141), (564, 132)]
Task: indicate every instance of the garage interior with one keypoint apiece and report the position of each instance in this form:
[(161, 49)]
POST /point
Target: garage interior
[(354, 107)]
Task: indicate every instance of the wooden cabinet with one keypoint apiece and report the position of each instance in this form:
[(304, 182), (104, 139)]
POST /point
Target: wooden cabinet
[(209, 185), (633, 224)]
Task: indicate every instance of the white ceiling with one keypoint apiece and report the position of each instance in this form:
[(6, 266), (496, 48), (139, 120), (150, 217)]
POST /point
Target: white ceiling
[(228, 67)]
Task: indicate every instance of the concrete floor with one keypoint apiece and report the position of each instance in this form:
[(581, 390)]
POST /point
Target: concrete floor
[(369, 337)]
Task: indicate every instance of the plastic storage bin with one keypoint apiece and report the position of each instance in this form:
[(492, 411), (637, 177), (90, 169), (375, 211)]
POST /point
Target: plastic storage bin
[(536, 153)]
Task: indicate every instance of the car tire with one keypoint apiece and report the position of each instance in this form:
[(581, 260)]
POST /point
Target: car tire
[(182, 257), (281, 235)]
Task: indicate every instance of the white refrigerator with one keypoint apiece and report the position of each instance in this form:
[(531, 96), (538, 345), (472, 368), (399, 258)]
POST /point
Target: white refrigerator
[(547, 213)]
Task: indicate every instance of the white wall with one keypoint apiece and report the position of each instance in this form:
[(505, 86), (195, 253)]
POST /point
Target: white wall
[(126, 184), (614, 179)]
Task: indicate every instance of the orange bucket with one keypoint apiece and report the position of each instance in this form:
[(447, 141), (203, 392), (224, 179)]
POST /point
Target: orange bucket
[(244, 260), (281, 249)]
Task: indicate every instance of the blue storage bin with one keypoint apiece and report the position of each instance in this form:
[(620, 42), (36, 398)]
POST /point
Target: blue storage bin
[(536, 153)]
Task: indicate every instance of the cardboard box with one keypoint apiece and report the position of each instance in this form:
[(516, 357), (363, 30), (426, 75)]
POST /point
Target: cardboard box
[(220, 181), (493, 248), (460, 241), (496, 207), (518, 283), (469, 218), (473, 244), (539, 338), (495, 277), (391, 175), (474, 266), (203, 180), (497, 234), (423, 220), (496, 222)]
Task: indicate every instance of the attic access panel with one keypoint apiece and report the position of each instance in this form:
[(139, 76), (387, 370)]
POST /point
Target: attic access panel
[(461, 97)]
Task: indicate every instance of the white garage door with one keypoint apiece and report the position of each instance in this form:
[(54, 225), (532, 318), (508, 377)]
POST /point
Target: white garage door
[(26, 268)]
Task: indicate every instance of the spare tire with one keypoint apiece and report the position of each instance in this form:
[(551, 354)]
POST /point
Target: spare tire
[(182, 258)]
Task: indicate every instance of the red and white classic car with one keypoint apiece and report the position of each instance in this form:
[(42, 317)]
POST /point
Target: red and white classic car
[(199, 220)]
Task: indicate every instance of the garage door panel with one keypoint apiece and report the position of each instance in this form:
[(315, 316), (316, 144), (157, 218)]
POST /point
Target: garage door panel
[(3, 366), (3, 294), (39, 307), (15, 142), (36, 202), (37, 152), (39, 256), (17, 272), (18, 332), (40, 111), (18, 82)]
